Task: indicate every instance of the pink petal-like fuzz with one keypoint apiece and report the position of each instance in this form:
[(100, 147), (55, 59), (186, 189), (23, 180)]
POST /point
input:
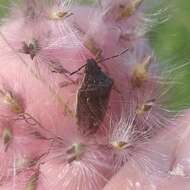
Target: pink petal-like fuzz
[(81, 97), (163, 164)]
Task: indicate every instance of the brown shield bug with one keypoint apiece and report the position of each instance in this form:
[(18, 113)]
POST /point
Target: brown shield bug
[(92, 98)]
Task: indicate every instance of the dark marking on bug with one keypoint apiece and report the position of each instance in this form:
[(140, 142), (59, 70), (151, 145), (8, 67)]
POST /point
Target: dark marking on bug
[(92, 98)]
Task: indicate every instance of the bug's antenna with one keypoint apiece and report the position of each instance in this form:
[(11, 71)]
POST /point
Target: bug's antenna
[(112, 57), (103, 60)]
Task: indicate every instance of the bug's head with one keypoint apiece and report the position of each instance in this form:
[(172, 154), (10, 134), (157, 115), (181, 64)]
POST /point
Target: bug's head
[(91, 66)]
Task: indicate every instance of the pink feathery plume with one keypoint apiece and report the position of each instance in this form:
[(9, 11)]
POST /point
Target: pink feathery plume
[(81, 94)]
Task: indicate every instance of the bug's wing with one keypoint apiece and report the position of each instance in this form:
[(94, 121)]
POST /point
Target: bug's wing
[(93, 97)]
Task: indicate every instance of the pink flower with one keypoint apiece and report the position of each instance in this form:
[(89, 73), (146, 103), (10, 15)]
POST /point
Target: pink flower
[(81, 96)]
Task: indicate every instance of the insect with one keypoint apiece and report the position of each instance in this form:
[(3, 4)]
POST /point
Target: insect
[(92, 98), (93, 95)]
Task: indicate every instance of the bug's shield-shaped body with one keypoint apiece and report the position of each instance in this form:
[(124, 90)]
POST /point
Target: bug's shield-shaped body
[(92, 98)]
